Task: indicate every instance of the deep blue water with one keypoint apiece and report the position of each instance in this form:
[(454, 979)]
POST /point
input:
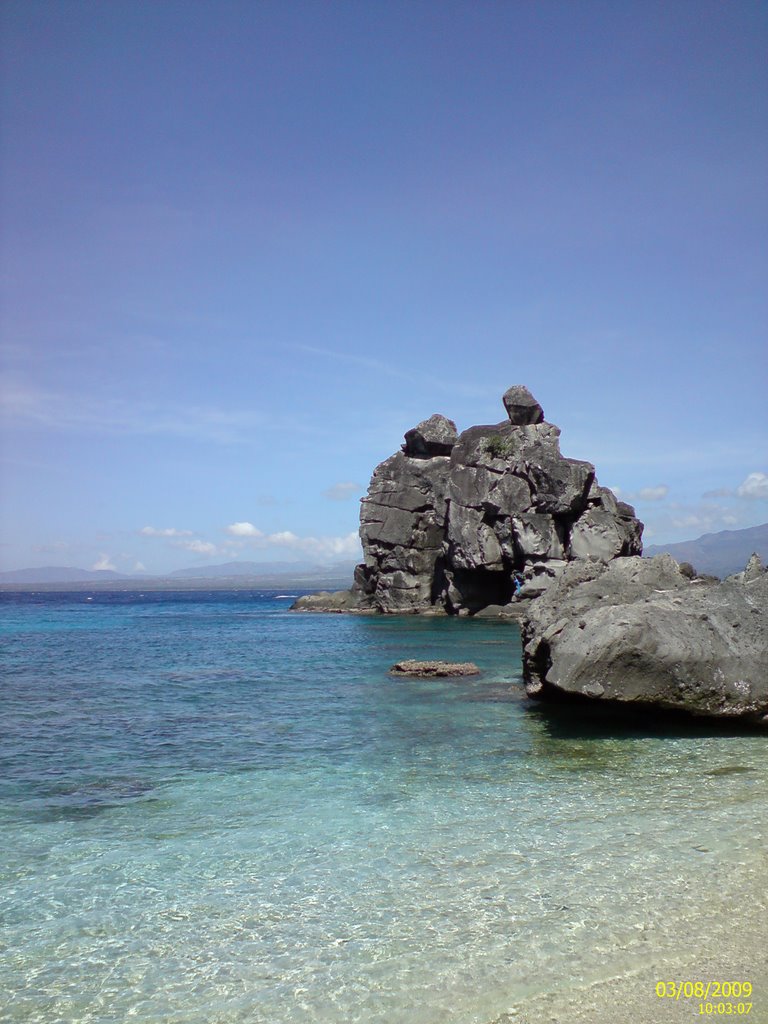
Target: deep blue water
[(216, 810)]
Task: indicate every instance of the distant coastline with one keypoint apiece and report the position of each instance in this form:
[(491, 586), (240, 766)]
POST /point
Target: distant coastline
[(154, 584)]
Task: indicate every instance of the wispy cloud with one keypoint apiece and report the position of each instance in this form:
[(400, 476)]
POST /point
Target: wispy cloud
[(171, 531), (657, 493), (198, 547), (692, 519), (378, 366), (342, 491), (703, 521), (321, 547), (658, 457), (386, 369), (89, 413)]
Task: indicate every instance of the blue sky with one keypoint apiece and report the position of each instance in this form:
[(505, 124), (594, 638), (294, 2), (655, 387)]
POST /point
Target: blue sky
[(247, 245)]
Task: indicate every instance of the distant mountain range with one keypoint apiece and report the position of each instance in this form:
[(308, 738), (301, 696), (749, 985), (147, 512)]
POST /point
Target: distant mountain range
[(258, 574), (718, 554), (59, 574)]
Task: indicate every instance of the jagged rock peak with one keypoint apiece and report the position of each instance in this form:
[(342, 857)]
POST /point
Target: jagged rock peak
[(755, 568), (455, 523), (522, 408), (435, 436)]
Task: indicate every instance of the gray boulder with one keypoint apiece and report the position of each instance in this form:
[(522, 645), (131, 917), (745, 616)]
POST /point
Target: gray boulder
[(435, 436), (521, 406), (641, 633)]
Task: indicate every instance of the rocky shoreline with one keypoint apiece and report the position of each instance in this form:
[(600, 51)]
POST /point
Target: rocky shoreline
[(642, 634), (495, 522), (453, 523)]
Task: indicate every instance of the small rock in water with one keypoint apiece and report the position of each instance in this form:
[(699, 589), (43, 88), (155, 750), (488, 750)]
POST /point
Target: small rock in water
[(434, 669)]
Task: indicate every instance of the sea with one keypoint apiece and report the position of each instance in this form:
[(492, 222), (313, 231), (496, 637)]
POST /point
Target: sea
[(216, 810)]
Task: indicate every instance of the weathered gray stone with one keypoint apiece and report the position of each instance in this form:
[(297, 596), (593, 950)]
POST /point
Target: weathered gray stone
[(521, 406), (538, 536), (471, 486), (472, 544), (597, 534), (508, 494), (451, 531), (601, 497), (435, 436), (561, 486), (639, 632)]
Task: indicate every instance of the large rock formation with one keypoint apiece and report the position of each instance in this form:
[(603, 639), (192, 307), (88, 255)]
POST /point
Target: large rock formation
[(450, 519), (642, 633)]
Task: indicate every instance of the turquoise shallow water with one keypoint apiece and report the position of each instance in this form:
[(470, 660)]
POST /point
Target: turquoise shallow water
[(214, 810)]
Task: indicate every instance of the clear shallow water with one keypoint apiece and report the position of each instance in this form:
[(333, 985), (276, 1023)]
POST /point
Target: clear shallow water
[(214, 810)]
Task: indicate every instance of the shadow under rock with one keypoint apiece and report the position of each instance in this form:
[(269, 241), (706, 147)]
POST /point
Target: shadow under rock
[(614, 721)]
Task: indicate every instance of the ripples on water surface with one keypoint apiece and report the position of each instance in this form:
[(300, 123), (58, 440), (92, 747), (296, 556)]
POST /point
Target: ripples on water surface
[(217, 811)]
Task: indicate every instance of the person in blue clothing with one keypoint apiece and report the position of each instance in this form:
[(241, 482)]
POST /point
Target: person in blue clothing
[(517, 581)]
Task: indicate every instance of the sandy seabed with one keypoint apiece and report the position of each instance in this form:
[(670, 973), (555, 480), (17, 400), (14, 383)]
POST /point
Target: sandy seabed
[(730, 944)]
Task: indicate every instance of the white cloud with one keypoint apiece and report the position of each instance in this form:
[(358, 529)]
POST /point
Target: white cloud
[(171, 531), (653, 493), (705, 518), (754, 487), (199, 547), (319, 547), (104, 562), (693, 522), (347, 546), (657, 493), (139, 567), (244, 530), (285, 538), (342, 491)]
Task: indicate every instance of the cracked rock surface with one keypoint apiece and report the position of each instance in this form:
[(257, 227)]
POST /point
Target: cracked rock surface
[(640, 632), (451, 519)]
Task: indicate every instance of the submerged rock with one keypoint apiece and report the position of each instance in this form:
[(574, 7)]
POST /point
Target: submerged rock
[(458, 522), (643, 633), (434, 669)]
